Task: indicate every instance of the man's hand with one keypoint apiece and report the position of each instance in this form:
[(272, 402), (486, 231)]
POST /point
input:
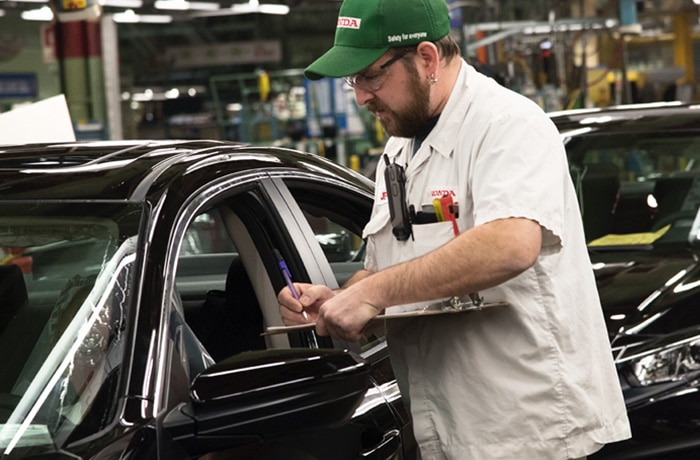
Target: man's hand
[(311, 297), (345, 315)]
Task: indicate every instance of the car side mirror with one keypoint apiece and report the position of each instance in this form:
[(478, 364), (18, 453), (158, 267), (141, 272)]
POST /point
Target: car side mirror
[(254, 396)]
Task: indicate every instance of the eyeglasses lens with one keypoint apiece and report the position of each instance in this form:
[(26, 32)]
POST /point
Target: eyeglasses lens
[(372, 83)]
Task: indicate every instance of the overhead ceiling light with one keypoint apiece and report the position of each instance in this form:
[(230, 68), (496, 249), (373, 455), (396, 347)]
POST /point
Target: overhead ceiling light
[(172, 93), (272, 8), (254, 6), (40, 14), (183, 5), (122, 3), (155, 18), (129, 16)]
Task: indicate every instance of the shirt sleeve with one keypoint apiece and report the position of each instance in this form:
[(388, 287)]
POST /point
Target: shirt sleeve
[(521, 171)]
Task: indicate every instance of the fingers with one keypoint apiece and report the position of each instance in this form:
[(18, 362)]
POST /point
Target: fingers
[(343, 318), (327, 323), (289, 307), (305, 309), (327, 328)]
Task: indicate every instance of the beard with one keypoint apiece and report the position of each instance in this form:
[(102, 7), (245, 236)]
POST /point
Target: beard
[(411, 119)]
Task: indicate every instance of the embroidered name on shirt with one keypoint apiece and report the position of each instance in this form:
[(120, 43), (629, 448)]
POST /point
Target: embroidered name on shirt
[(348, 23)]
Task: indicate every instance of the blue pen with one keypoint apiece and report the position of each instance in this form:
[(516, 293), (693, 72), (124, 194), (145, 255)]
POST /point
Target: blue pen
[(288, 279)]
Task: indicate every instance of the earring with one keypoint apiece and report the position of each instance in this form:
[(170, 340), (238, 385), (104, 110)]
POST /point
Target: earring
[(433, 79)]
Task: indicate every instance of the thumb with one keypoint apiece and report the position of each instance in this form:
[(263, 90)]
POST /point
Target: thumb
[(315, 295)]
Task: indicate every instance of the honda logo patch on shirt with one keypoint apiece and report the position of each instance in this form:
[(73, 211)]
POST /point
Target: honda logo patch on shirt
[(442, 191)]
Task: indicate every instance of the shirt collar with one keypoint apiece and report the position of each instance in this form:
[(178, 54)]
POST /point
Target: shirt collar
[(441, 137)]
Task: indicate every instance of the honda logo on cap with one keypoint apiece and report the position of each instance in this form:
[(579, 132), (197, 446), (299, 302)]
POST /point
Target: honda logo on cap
[(348, 23)]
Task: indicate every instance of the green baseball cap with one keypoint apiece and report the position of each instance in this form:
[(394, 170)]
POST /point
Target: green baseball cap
[(369, 28)]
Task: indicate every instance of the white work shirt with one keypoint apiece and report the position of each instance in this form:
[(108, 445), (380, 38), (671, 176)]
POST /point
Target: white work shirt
[(534, 379)]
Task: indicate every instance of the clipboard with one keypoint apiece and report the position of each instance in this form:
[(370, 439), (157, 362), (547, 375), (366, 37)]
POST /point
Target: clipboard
[(272, 330)]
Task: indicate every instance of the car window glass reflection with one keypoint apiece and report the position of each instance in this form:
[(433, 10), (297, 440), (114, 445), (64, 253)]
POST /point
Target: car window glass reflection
[(220, 304), (207, 235), (224, 283), (337, 221), (97, 357), (636, 189), (74, 360)]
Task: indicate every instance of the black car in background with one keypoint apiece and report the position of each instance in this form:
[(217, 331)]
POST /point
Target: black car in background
[(636, 170), (136, 279)]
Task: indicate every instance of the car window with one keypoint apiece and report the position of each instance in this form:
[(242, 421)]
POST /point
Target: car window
[(207, 235), (65, 292), (342, 246), (218, 298), (206, 252), (337, 218), (227, 277), (636, 189)]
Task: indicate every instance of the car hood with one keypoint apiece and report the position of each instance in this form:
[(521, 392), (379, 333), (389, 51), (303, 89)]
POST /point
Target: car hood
[(647, 291)]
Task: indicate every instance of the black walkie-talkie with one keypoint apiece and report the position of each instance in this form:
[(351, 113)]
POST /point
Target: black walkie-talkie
[(395, 180)]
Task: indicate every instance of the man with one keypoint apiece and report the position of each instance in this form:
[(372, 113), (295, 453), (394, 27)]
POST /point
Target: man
[(533, 379)]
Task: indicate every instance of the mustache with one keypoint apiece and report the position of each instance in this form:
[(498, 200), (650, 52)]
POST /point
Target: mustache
[(375, 106)]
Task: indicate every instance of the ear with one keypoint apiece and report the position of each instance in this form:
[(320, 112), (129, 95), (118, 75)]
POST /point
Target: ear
[(428, 57)]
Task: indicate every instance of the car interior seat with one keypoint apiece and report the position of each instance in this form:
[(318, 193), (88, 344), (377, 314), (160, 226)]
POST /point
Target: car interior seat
[(69, 300), (17, 323), (600, 183), (13, 293), (670, 194), (33, 331), (230, 321)]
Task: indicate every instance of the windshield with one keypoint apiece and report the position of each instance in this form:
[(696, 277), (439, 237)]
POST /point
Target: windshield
[(65, 273), (636, 189)]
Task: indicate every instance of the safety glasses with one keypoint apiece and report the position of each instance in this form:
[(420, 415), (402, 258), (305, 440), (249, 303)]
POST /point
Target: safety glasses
[(372, 81)]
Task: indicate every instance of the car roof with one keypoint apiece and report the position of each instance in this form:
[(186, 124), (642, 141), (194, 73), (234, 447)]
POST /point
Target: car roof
[(127, 170), (660, 116)]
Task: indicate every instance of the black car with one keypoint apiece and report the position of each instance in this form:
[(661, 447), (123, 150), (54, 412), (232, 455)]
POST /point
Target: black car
[(636, 170), (136, 281)]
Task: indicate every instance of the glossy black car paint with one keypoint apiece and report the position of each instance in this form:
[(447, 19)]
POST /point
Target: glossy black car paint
[(649, 293), (234, 402), (163, 176)]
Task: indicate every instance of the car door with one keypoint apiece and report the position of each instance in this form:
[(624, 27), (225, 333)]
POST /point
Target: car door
[(328, 218), (227, 279)]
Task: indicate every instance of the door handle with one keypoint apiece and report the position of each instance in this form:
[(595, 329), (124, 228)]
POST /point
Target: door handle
[(387, 448)]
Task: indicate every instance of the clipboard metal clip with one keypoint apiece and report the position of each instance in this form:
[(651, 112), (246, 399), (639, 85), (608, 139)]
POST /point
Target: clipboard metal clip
[(473, 302)]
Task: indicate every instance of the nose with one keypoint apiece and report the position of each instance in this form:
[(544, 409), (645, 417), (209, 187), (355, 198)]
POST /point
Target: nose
[(362, 96)]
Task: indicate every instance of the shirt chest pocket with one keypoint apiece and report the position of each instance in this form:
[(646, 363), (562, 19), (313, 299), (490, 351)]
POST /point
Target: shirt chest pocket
[(387, 250), (427, 237)]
